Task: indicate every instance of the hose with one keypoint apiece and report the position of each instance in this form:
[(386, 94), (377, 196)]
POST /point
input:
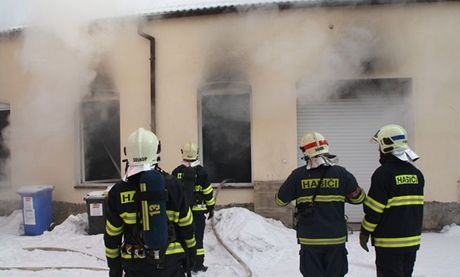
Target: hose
[(221, 241)]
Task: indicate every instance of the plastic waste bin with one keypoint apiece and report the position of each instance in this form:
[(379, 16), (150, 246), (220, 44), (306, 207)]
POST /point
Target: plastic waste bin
[(36, 207), (95, 206)]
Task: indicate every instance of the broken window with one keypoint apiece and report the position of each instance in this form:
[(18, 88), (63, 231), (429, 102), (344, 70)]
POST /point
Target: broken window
[(226, 132), (4, 144), (100, 133)]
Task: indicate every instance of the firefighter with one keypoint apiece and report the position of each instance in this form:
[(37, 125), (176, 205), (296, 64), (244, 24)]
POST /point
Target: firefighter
[(200, 196), (394, 205), (137, 217), (320, 189)]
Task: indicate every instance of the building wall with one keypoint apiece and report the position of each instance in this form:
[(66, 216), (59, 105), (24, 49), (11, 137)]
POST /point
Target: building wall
[(273, 50)]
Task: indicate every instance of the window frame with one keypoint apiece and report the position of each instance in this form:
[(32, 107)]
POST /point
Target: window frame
[(231, 88), (4, 106), (82, 182)]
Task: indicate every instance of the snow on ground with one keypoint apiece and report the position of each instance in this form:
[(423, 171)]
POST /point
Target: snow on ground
[(264, 244)]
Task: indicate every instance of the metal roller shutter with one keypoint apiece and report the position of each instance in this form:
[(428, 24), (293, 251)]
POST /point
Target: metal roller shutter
[(348, 123)]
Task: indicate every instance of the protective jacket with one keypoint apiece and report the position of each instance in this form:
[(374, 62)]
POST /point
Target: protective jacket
[(394, 206), (123, 219), (322, 223), (198, 189)]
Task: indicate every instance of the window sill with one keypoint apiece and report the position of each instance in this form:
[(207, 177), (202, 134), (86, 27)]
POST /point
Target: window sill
[(94, 185)]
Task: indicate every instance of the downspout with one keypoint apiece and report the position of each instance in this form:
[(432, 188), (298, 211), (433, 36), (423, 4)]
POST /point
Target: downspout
[(152, 77)]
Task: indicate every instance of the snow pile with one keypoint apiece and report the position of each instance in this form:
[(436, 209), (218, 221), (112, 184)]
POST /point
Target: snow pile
[(257, 240), (12, 224), (73, 225), (452, 230)]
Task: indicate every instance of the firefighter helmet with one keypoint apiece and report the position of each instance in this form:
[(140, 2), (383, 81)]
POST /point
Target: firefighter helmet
[(313, 144), (189, 151), (143, 148), (391, 138)]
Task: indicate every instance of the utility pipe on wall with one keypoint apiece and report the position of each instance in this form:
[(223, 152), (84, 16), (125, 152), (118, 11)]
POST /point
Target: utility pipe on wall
[(152, 78)]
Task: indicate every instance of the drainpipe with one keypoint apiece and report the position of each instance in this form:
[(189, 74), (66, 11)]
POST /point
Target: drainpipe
[(152, 78)]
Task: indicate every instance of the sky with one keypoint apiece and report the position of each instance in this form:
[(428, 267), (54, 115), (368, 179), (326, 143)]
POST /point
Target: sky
[(266, 245)]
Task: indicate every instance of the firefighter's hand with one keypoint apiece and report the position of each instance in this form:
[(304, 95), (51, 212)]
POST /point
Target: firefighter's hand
[(363, 239), (210, 212)]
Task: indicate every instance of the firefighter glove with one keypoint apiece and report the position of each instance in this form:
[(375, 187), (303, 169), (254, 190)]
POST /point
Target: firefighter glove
[(363, 239), (210, 212)]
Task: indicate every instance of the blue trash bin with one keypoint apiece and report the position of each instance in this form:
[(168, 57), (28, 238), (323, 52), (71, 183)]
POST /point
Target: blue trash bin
[(36, 208)]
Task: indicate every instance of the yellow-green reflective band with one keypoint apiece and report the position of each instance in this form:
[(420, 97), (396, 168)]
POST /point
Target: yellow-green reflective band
[(279, 202), (128, 218), (321, 198), (323, 241), (200, 252), (187, 220), (199, 207), (173, 216), (174, 248), (145, 211), (190, 242), (405, 200), (368, 226), (374, 205), (211, 202), (198, 188), (207, 190), (112, 230), (397, 242), (360, 199), (112, 253)]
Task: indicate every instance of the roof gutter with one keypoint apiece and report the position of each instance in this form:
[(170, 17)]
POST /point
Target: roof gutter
[(152, 78)]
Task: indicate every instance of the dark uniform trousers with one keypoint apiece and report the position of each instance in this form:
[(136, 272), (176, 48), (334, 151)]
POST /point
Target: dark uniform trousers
[(173, 267), (199, 219), (395, 264), (323, 261)]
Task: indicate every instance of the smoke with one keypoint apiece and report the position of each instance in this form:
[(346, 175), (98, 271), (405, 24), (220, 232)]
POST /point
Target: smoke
[(64, 44)]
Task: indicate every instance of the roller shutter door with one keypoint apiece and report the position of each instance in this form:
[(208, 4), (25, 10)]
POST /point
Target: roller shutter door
[(348, 123)]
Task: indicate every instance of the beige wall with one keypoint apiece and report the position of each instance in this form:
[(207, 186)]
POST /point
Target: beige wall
[(274, 50)]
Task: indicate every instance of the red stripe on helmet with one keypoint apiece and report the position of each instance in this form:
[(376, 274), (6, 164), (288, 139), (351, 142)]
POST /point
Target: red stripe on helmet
[(314, 144)]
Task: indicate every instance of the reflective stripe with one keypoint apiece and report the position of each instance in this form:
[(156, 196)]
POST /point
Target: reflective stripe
[(321, 198), (187, 220), (190, 242), (207, 190), (198, 188), (174, 248), (279, 202), (112, 253), (112, 230), (128, 218), (145, 210), (368, 226), (200, 252), (374, 205), (405, 200), (397, 242), (211, 202), (173, 216), (358, 200), (323, 241), (199, 207)]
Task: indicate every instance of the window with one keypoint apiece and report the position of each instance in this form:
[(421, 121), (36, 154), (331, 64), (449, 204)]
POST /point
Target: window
[(226, 131), (100, 133), (4, 145)]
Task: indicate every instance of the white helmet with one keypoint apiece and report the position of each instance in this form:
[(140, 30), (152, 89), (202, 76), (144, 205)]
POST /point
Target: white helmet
[(391, 138), (313, 144), (143, 148), (189, 151)]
